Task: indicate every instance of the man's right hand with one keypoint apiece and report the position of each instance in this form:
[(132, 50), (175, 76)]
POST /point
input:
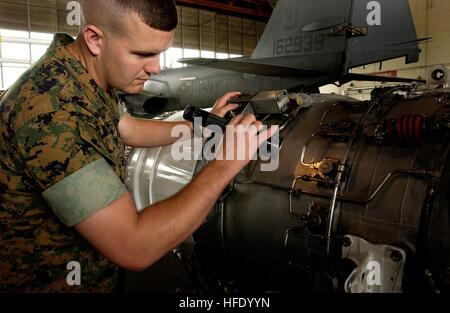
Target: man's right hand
[(243, 137)]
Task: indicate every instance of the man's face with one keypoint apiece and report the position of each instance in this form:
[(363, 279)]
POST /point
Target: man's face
[(128, 60)]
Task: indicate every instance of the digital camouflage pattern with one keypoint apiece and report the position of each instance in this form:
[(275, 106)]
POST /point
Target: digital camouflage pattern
[(54, 121)]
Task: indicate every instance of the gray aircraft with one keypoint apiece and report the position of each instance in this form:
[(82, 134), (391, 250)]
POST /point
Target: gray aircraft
[(306, 44)]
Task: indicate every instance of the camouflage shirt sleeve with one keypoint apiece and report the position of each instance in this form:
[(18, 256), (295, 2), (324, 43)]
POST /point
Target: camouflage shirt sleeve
[(67, 169)]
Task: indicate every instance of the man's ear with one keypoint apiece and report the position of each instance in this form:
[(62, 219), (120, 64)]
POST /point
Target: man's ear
[(94, 39)]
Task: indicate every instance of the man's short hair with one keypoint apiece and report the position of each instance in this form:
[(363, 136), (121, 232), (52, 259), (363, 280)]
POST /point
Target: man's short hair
[(158, 14)]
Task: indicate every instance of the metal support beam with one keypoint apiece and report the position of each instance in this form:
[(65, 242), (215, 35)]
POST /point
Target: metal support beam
[(255, 8), (17, 61), (25, 41)]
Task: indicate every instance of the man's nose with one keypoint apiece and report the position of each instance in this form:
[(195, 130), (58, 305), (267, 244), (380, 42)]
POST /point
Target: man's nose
[(153, 66)]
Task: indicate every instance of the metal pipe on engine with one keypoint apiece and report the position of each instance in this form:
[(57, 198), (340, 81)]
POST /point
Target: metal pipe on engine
[(340, 173), (348, 198)]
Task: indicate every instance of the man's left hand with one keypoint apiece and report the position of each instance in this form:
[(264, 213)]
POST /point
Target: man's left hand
[(221, 108)]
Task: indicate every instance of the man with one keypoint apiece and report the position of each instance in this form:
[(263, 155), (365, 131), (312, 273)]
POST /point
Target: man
[(62, 164)]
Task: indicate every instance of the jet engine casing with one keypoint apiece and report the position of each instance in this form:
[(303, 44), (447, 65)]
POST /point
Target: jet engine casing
[(339, 177)]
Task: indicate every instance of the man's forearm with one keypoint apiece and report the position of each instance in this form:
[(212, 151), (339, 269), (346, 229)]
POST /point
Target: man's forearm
[(167, 224), (141, 133)]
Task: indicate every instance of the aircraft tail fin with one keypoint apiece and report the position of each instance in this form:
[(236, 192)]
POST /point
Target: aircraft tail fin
[(336, 35), (296, 35), (390, 33)]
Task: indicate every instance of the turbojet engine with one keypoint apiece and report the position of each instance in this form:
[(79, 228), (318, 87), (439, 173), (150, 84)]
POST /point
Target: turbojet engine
[(359, 201)]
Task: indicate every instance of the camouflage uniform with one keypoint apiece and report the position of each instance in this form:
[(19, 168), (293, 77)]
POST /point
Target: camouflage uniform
[(61, 160)]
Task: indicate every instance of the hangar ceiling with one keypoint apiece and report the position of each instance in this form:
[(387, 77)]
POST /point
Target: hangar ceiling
[(46, 16), (224, 26), (50, 15)]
